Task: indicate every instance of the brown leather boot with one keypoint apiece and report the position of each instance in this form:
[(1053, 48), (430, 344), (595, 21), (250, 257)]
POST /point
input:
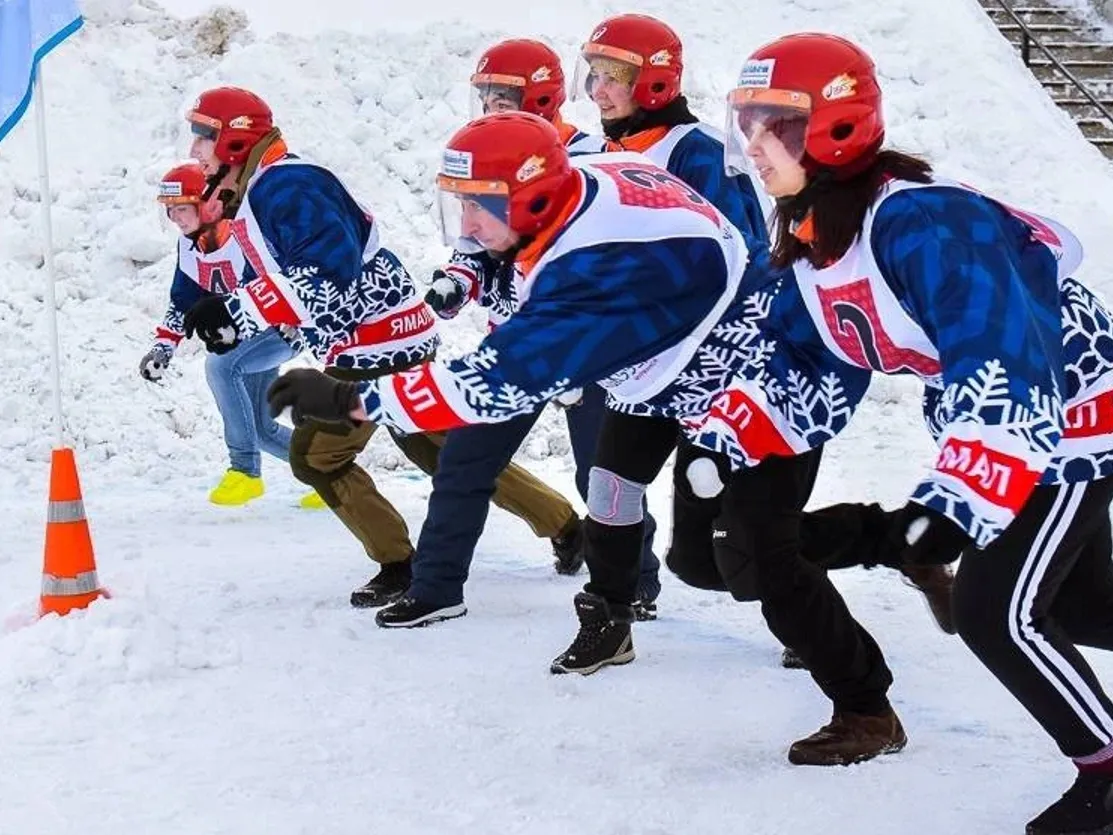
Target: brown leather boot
[(936, 582), (850, 738)]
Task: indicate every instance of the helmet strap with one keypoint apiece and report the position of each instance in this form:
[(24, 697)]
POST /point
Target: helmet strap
[(212, 182)]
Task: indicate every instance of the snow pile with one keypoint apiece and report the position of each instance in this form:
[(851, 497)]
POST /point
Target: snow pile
[(228, 687), (377, 107), (130, 639)]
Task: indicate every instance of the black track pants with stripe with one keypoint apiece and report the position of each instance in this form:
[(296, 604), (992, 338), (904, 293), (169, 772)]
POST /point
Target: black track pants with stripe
[(1044, 586)]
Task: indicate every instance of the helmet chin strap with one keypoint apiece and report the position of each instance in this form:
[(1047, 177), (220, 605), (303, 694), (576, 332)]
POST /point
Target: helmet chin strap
[(212, 182)]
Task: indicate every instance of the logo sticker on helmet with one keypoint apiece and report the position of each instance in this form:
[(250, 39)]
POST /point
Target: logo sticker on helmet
[(482, 64), (662, 58), (598, 33), (169, 189), (757, 73), (840, 87), (540, 74), (531, 168), (456, 164), (242, 122)]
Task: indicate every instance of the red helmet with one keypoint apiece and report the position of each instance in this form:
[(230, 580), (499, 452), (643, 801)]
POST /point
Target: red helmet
[(186, 183), (512, 164), (236, 119), (528, 70), (818, 90), (646, 44)]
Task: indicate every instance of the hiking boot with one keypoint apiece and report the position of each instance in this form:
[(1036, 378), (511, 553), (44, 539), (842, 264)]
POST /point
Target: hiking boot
[(568, 547), (604, 637), (1085, 809), (388, 585), (850, 738), (408, 612), (644, 610), (936, 583), (791, 661)]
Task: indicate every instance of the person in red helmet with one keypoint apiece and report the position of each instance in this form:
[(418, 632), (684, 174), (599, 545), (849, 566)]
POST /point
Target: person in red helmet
[(210, 262), (631, 279), (513, 75), (631, 67), (899, 271), (315, 263), (524, 74)]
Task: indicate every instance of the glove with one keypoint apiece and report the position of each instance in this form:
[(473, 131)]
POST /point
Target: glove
[(569, 399), (213, 324), (154, 363), (927, 537), (309, 394), (447, 296)]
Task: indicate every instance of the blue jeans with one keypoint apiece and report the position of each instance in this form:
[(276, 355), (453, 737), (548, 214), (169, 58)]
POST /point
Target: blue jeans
[(239, 381), (470, 461)]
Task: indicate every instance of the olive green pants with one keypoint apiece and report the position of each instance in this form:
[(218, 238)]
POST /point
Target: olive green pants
[(323, 455)]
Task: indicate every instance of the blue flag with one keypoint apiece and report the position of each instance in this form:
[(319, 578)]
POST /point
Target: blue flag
[(29, 29)]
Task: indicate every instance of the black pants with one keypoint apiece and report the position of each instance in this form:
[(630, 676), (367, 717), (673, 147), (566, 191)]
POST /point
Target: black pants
[(634, 448), (1025, 601), (704, 547), (761, 508)]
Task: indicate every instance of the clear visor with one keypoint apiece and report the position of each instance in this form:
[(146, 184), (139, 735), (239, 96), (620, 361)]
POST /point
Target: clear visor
[(203, 129), (765, 127), (474, 214), (604, 66), (496, 94)]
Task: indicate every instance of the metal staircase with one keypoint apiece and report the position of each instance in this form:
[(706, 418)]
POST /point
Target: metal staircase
[(1067, 55)]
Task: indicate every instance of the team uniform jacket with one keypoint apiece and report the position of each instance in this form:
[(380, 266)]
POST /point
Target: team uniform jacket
[(196, 275), (314, 262), (977, 300), (646, 288)]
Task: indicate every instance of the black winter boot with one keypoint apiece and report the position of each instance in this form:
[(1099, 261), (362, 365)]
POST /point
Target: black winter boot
[(1085, 809), (385, 587), (604, 637)]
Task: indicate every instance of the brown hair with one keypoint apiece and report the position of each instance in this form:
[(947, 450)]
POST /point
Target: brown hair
[(838, 209)]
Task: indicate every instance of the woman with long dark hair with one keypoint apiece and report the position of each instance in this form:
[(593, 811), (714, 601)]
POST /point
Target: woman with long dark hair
[(900, 272)]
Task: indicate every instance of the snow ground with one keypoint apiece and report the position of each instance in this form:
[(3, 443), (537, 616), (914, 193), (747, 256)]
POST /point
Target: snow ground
[(228, 687)]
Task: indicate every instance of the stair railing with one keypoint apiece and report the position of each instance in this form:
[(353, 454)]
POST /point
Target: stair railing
[(1028, 38)]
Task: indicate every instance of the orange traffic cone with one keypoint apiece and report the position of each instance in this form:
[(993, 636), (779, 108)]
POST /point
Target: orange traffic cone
[(69, 570)]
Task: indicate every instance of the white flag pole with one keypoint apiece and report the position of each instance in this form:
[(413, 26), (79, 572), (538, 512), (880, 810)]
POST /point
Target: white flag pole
[(48, 254)]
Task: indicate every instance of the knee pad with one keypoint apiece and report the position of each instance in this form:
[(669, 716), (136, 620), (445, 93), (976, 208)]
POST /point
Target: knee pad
[(614, 500)]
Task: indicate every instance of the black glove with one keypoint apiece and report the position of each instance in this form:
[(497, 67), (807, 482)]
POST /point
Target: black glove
[(313, 395), (927, 537), (154, 363), (213, 324), (446, 296)]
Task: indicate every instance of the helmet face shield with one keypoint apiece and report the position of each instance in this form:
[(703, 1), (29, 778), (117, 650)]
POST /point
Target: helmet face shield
[(493, 93), (604, 66), (474, 214), (765, 128), (203, 127)]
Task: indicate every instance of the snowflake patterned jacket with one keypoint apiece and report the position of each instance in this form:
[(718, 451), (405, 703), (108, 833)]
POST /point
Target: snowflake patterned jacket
[(196, 275), (314, 263), (979, 301), (633, 288)]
